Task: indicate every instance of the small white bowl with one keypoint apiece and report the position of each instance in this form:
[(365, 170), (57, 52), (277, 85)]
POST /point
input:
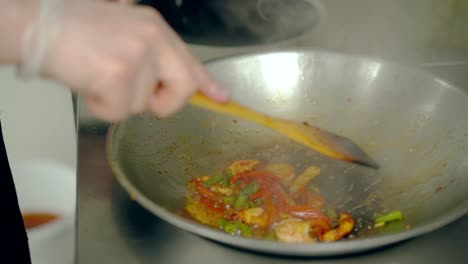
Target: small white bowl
[(46, 187)]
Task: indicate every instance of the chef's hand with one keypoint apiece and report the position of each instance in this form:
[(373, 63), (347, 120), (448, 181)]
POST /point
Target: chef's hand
[(125, 60)]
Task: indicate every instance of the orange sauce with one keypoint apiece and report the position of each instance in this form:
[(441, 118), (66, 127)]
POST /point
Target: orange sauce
[(32, 220)]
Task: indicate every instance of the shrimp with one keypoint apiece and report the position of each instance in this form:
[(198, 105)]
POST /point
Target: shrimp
[(293, 230), (345, 226)]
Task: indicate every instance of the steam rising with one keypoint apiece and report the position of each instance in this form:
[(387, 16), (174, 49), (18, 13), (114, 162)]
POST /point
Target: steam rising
[(238, 22), (267, 20)]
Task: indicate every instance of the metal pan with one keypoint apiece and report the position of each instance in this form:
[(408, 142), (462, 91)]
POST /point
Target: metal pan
[(410, 122)]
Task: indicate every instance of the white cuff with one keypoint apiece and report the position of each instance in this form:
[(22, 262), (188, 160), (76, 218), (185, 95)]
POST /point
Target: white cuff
[(39, 36)]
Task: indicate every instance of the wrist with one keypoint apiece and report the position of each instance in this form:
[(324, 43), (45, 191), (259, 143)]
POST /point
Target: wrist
[(39, 37), (15, 18)]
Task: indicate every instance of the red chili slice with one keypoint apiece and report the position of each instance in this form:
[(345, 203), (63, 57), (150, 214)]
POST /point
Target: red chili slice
[(306, 212), (257, 195)]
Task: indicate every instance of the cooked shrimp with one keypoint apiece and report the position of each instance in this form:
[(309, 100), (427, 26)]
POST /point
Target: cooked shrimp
[(254, 216), (345, 226), (293, 230), (283, 171), (240, 166), (303, 179)]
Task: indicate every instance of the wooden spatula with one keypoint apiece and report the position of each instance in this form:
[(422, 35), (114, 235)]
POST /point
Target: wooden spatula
[(320, 140)]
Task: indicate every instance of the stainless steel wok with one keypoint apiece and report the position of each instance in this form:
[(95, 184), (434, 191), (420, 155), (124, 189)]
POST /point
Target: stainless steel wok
[(412, 123)]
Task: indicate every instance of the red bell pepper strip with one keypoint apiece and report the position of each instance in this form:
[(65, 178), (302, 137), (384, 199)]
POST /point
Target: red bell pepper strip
[(202, 190), (257, 195), (270, 209), (306, 212)]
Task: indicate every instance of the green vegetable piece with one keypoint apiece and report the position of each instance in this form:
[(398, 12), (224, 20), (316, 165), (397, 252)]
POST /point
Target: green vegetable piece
[(244, 229), (250, 189), (227, 226), (230, 228), (213, 180), (224, 182), (222, 223), (376, 225), (393, 227), (228, 199), (388, 217), (241, 202), (228, 174)]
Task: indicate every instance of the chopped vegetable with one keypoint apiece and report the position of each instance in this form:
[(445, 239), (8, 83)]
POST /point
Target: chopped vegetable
[(224, 182), (258, 195), (226, 178), (233, 227), (228, 199), (241, 202), (227, 226), (201, 190), (393, 227), (250, 189), (243, 228), (228, 174), (306, 212), (213, 180), (381, 220)]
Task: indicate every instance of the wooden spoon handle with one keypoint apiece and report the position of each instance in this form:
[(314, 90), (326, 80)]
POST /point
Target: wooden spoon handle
[(231, 108)]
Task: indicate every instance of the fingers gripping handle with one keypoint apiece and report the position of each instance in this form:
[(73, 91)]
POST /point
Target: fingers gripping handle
[(39, 36)]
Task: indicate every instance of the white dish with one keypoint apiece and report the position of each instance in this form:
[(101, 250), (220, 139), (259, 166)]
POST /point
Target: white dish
[(46, 187)]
